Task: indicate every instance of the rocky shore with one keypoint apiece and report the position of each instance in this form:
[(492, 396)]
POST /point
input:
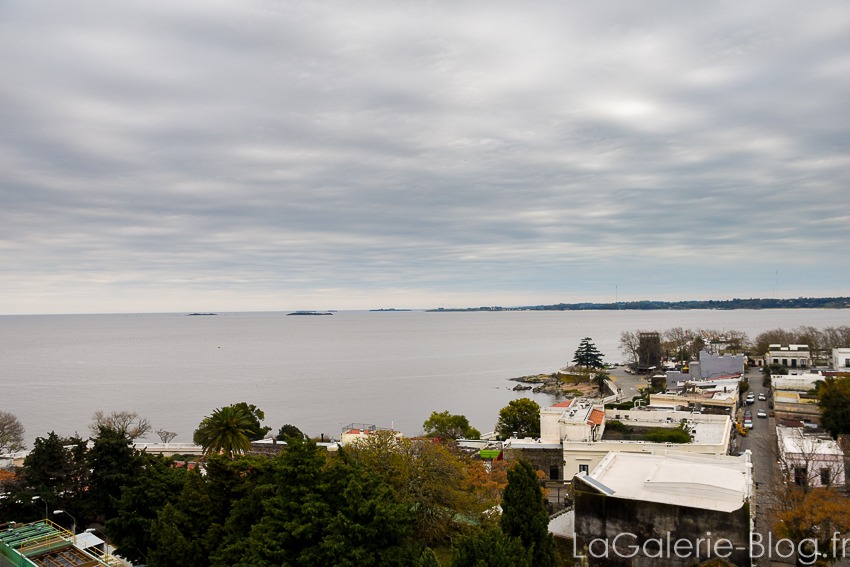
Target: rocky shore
[(557, 384)]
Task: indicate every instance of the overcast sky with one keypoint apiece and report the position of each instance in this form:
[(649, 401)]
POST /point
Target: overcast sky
[(248, 155)]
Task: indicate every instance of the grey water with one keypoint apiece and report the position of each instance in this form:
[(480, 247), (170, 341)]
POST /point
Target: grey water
[(318, 373)]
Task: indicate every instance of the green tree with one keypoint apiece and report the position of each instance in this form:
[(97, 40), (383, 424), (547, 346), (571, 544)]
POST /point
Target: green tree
[(56, 475), (428, 477), (114, 463), (226, 431), (776, 368), (520, 416), (339, 514), (587, 356), (187, 532), (287, 431), (525, 517), (256, 431), (490, 548), (448, 426), (834, 395), (159, 484), (599, 380), (428, 558)]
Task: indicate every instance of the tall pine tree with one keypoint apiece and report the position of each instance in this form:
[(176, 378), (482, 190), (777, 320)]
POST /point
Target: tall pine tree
[(587, 355), (524, 515)]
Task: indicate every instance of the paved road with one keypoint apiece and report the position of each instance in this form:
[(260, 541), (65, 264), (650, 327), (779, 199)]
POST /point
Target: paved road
[(762, 442), (628, 383)]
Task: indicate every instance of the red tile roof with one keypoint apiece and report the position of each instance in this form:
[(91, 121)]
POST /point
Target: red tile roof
[(563, 404), (596, 417)]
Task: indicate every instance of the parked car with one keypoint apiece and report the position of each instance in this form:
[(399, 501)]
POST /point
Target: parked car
[(748, 414), (762, 413), (751, 398), (748, 423), (762, 396)]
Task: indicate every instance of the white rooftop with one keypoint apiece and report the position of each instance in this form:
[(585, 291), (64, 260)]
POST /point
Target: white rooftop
[(709, 482), (793, 440)]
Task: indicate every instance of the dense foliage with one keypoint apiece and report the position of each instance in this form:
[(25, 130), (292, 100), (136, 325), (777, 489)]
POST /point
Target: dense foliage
[(525, 517), (225, 431), (834, 395), (447, 426), (587, 354), (520, 417), (287, 431)]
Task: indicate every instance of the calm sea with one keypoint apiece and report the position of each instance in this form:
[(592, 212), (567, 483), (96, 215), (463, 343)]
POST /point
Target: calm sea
[(318, 373)]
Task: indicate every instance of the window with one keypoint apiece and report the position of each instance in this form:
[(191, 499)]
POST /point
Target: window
[(553, 472), (583, 468), (775, 361), (793, 363), (824, 477), (800, 476), (785, 362), (847, 362)]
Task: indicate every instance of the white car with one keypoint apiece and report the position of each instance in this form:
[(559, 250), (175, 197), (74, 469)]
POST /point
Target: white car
[(761, 396), (762, 413), (748, 423)]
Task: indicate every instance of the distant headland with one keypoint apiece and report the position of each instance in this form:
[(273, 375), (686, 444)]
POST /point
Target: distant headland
[(200, 314), (728, 304), (391, 309)]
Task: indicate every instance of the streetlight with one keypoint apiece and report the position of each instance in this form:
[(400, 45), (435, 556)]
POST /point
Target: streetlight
[(57, 512), (34, 498), (92, 530)]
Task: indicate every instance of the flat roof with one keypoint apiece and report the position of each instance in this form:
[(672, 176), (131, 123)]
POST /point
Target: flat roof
[(793, 440), (707, 482)]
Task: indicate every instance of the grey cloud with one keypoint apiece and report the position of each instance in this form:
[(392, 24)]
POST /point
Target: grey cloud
[(422, 146)]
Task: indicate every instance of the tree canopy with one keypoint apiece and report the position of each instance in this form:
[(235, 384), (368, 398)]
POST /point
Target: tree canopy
[(520, 416), (525, 517), (428, 476), (587, 355), (287, 430), (256, 430), (834, 397), (448, 426), (225, 430)]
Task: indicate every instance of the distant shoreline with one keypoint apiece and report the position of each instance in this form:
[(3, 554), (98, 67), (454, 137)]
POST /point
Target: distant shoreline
[(729, 304)]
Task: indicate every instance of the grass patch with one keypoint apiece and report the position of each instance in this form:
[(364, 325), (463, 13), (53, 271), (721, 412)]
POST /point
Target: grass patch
[(619, 431)]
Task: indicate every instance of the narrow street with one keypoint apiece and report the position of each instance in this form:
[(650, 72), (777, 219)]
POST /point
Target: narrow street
[(761, 440)]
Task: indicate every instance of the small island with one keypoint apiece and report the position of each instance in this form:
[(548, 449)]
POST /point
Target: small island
[(200, 314), (310, 313)]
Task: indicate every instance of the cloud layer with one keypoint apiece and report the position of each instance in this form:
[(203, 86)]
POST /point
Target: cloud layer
[(265, 155)]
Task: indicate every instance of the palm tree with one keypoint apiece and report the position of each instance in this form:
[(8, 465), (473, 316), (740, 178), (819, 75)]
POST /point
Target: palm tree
[(224, 431)]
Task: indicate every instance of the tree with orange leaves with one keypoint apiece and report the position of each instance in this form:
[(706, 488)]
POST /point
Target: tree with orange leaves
[(816, 515), (486, 481)]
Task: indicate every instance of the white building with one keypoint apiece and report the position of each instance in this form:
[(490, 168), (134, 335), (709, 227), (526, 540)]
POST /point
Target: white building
[(792, 356), (578, 419), (810, 459), (713, 482), (841, 359), (710, 435), (795, 382), (658, 509)]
